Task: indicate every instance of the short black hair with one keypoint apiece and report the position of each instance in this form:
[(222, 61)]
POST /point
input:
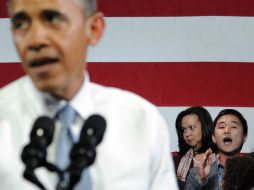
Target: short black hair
[(235, 113), (90, 6)]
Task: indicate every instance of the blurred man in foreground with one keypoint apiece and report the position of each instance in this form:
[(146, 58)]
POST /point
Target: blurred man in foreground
[(52, 37)]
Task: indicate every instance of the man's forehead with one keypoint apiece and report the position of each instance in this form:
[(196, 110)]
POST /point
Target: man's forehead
[(33, 6), (228, 118), (33, 1), (41, 3)]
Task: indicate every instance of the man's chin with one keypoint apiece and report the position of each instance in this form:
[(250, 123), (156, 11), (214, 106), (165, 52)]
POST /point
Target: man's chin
[(50, 87), (231, 152), (44, 85)]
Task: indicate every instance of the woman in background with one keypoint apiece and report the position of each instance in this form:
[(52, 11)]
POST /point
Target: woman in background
[(194, 130)]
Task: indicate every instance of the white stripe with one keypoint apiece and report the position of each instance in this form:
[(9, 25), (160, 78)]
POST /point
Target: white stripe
[(164, 39), (7, 50), (170, 114)]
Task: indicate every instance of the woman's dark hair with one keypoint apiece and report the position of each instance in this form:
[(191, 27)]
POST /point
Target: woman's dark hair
[(206, 128), (235, 113), (239, 173)]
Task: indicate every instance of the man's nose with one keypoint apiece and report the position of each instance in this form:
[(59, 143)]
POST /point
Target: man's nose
[(38, 37), (227, 129)]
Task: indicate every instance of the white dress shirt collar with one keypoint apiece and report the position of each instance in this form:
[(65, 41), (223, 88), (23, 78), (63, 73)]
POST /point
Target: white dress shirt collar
[(48, 105)]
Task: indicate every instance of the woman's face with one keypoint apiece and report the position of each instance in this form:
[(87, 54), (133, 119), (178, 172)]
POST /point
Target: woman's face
[(192, 132)]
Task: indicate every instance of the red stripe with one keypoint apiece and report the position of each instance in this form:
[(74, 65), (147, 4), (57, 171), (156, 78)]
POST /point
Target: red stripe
[(177, 7), (9, 72), (3, 9), (129, 8), (172, 84)]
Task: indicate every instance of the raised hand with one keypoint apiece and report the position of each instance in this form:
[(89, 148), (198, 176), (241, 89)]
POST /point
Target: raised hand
[(203, 163)]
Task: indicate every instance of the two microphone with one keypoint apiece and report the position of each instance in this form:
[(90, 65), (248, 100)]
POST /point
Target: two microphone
[(82, 154)]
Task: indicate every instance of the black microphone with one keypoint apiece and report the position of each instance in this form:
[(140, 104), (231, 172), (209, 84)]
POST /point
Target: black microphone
[(34, 154), (92, 132), (83, 153), (42, 132)]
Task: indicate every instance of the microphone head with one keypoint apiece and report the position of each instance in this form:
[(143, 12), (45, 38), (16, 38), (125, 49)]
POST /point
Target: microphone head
[(83, 153), (93, 130), (34, 153), (42, 131)]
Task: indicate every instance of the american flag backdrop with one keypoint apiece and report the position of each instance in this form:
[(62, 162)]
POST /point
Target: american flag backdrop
[(175, 53)]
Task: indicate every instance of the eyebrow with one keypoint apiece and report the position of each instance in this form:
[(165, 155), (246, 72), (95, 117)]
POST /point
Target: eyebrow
[(19, 16), (22, 15), (231, 122), (50, 12), (185, 127), (236, 122)]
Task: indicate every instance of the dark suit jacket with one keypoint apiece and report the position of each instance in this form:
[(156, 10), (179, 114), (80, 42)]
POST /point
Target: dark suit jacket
[(211, 182)]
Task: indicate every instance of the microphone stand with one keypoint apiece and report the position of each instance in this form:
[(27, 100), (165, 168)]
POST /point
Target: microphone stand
[(81, 158), (35, 157), (30, 175)]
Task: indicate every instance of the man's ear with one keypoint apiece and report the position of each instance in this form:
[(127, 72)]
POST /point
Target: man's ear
[(95, 27), (245, 138)]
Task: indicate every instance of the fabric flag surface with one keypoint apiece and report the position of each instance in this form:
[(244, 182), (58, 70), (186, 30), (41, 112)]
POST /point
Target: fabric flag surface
[(175, 53)]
